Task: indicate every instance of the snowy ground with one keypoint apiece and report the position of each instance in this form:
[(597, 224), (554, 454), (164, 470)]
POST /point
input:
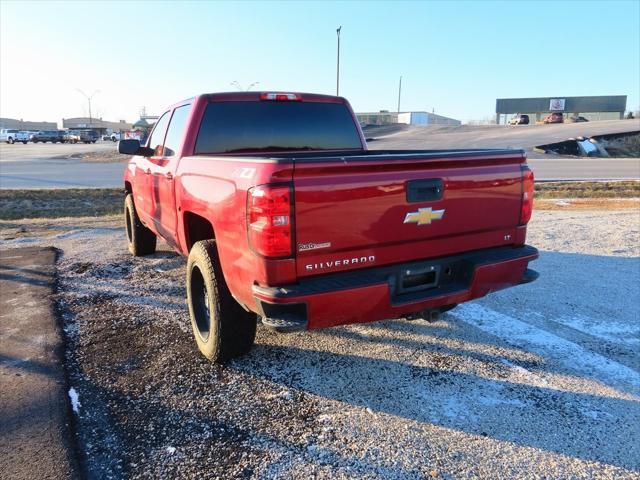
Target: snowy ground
[(541, 380)]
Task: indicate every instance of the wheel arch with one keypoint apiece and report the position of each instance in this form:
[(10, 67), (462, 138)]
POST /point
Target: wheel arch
[(196, 228)]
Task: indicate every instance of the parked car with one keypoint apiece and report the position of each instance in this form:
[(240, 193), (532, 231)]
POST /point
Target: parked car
[(11, 135), (519, 119), (44, 136), (555, 117), (71, 137), (114, 137), (578, 119), (88, 136), (285, 215)]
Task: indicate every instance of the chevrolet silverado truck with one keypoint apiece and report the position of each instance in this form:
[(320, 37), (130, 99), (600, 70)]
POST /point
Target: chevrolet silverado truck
[(286, 216)]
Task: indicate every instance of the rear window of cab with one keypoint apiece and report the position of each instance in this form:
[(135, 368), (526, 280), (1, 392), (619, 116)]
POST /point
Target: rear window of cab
[(271, 126)]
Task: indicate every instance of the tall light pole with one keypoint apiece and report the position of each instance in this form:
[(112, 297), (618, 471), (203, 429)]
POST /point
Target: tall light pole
[(88, 97), (338, 67), (236, 84), (399, 92)]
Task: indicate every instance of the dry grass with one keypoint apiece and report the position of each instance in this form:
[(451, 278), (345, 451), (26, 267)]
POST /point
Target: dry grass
[(101, 156), (587, 204), (618, 189), (74, 202), (18, 204)]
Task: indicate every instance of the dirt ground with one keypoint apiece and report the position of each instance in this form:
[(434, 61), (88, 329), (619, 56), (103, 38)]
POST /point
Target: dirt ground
[(539, 381)]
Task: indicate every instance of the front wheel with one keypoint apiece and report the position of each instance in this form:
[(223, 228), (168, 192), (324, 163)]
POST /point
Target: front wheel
[(24, 142), (10, 141), (222, 328), (140, 240)]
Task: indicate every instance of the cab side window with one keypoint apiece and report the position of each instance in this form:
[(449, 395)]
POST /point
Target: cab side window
[(156, 140), (176, 130)]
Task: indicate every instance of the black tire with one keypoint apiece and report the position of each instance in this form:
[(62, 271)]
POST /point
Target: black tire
[(24, 143), (10, 141), (140, 240), (222, 328), (446, 308)]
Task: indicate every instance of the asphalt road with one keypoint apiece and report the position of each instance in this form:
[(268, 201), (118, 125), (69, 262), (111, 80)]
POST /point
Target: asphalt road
[(497, 136), (41, 166), (34, 434), (57, 173), (19, 153)]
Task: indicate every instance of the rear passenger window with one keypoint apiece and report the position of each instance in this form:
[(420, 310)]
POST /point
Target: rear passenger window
[(176, 130), (156, 139)]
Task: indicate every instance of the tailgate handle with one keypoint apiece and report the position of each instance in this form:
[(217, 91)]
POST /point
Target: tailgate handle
[(425, 190)]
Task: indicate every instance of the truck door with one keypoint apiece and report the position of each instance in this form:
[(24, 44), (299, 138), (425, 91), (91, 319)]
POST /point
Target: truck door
[(142, 186), (163, 170)]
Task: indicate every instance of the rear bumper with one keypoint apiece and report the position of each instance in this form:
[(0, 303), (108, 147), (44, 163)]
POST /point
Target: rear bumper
[(384, 292)]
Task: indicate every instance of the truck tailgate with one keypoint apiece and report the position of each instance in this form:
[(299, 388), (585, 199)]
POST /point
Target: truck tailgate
[(362, 212)]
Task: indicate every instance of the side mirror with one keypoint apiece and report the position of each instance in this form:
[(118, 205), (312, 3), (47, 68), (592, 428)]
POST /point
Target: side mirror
[(133, 147)]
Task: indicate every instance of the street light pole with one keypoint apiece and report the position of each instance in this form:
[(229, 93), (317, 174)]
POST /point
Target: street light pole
[(89, 97), (236, 84), (399, 92), (338, 64)]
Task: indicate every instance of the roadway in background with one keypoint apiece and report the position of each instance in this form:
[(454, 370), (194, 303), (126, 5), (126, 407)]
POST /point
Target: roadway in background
[(45, 165)]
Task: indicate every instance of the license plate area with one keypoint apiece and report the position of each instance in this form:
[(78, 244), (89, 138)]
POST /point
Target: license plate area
[(415, 279), (421, 280)]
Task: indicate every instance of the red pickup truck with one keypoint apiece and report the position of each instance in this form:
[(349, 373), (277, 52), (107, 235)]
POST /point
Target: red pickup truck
[(286, 216)]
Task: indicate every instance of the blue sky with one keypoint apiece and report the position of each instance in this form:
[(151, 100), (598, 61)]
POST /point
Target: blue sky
[(455, 57)]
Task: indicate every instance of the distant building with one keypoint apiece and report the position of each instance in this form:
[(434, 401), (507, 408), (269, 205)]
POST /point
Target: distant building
[(608, 107), (384, 117), (27, 125), (98, 124)]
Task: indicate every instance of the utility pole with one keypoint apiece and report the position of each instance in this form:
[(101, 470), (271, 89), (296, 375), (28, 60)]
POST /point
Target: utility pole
[(89, 97), (338, 67), (399, 92)]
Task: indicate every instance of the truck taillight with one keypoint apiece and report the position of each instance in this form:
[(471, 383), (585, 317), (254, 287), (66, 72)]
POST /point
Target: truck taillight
[(527, 196), (280, 97), (269, 220)]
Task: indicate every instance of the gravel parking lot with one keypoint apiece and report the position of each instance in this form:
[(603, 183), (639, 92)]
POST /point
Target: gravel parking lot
[(540, 381)]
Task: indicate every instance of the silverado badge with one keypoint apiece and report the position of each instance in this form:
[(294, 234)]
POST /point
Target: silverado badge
[(424, 216)]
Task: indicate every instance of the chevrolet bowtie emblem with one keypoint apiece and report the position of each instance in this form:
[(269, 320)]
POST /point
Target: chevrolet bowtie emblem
[(423, 216)]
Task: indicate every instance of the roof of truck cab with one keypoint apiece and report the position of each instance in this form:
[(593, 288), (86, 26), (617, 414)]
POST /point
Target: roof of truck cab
[(255, 96)]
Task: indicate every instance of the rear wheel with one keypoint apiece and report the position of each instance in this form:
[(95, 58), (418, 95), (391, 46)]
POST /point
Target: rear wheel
[(446, 308), (140, 240), (222, 328)]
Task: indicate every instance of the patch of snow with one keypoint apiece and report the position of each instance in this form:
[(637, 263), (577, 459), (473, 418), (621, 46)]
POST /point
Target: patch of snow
[(543, 342), (75, 400), (285, 395), (606, 329), (562, 203), (171, 450)]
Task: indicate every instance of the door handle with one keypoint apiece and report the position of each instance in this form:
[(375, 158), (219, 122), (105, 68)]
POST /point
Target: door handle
[(169, 176), (148, 171)]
